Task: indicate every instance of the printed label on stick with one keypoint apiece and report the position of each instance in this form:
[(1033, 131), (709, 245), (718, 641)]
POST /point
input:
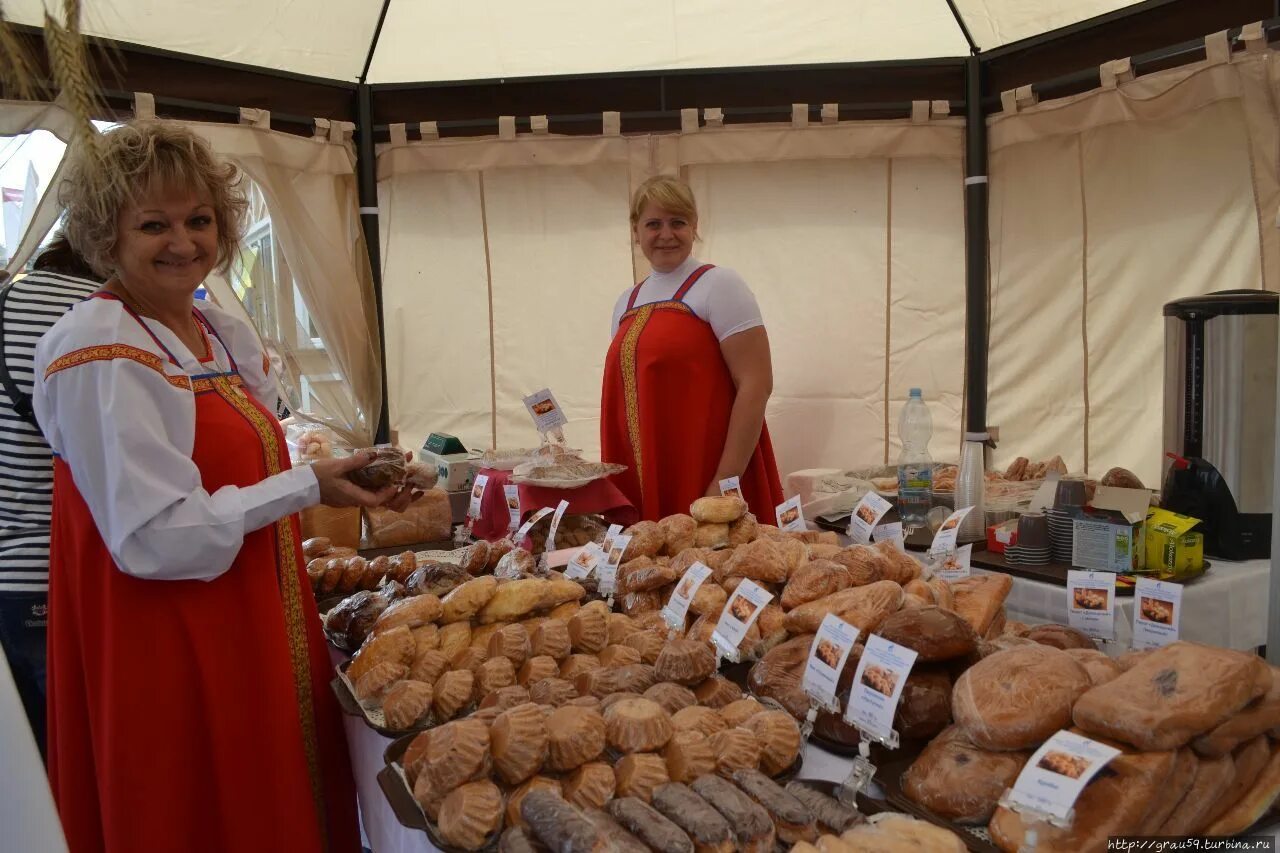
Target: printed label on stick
[(891, 532), (555, 525), (477, 495), (613, 559), (1051, 782), (528, 525), (866, 515), (739, 612), (1157, 610), (827, 656), (730, 488), (1091, 603), (512, 494), (614, 530), (944, 541), (955, 565), (789, 515), (678, 605), (584, 562), (544, 410), (877, 687)]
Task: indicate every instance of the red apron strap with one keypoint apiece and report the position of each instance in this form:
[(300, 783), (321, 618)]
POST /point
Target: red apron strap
[(635, 292), (691, 281)]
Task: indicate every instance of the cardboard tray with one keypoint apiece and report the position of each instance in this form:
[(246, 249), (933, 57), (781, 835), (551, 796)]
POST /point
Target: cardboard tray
[(351, 706)]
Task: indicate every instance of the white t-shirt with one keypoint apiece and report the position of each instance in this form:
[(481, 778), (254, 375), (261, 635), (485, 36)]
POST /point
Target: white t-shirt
[(720, 297)]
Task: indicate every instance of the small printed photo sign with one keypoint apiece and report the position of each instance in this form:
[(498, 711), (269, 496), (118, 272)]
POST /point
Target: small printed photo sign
[(827, 657), (741, 610), (789, 515), (866, 515), (545, 411), (1091, 603), (877, 687)]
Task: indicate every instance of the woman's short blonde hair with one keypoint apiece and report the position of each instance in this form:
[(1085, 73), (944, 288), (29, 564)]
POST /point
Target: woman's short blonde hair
[(667, 192), (132, 161)]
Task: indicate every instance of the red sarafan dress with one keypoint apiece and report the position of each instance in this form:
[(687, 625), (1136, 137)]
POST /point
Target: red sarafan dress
[(665, 410), (193, 715)]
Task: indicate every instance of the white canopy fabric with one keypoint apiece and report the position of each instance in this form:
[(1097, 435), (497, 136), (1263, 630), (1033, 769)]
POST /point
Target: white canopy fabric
[(425, 41)]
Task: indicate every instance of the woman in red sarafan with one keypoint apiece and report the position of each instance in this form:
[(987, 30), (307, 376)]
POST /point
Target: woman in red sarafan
[(189, 706), (689, 372)]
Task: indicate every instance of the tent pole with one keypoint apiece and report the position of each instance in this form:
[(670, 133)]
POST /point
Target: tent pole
[(367, 178), (976, 236)]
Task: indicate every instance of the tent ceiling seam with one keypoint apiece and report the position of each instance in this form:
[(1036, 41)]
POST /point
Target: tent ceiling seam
[(373, 43), (964, 28)]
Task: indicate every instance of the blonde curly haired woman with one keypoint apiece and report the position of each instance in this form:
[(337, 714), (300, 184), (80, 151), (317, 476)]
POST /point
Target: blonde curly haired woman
[(188, 678)]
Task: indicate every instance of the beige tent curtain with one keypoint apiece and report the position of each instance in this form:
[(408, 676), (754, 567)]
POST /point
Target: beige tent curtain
[(20, 117), (1105, 206), (310, 190), (503, 258)]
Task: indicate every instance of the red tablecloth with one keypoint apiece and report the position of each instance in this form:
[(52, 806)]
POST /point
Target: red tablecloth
[(599, 497)]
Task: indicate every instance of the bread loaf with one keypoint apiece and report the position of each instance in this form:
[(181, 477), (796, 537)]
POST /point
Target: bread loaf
[(1017, 698), (1259, 716), (935, 634), (958, 781)]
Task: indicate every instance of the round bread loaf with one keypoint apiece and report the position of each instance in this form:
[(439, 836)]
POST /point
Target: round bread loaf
[(933, 633), (1017, 698)]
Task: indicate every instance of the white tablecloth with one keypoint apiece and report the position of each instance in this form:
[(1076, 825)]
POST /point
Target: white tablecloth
[(1226, 607)]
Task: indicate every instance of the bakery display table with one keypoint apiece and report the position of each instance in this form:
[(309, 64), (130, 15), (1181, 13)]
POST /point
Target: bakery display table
[(1226, 607), (599, 497)]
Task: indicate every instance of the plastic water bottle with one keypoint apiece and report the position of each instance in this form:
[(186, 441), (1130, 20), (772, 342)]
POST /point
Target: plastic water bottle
[(915, 465)]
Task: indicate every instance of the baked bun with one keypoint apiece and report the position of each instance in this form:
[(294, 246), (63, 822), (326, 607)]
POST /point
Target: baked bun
[(511, 642), (406, 705), (716, 692), (552, 691), (647, 539), (518, 742), (455, 638), (686, 662), (637, 725), (375, 683), (515, 599), (779, 739), (576, 664), (933, 633), (718, 510), (709, 830), (452, 693), (739, 711), (621, 626), (639, 773), (689, 755), (591, 785), (637, 677), (678, 532), (671, 696), (494, 674), (395, 646), (735, 749), (958, 781), (551, 639), (410, 612), (467, 600), (589, 628), (537, 668), (470, 815), (698, 718), (457, 752), (618, 655), (575, 736)]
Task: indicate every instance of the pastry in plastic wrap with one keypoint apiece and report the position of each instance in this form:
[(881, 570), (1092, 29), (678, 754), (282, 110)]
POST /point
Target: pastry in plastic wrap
[(473, 558), (686, 662), (511, 642), (961, 782), (637, 725), (575, 736), (639, 773), (865, 563), (709, 600), (689, 755), (562, 590), (504, 698), (612, 834), (621, 626), (467, 600), (410, 612), (576, 664), (637, 677), (518, 742), (589, 628), (316, 546), (1060, 637), (427, 519), (591, 785), (537, 668), (793, 820), (864, 607), (599, 682), (386, 467), (671, 696), (429, 666), (394, 646), (1099, 667), (518, 839), (403, 566), (517, 797), (494, 674), (735, 749), (778, 674), (552, 691), (558, 825), (374, 684), (452, 693), (677, 531), (753, 829), (739, 711), (761, 560), (718, 510), (705, 826), (779, 739), (814, 580), (743, 531), (351, 620), (457, 752), (515, 563), (455, 638), (647, 539), (1180, 691), (1017, 698), (551, 639), (711, 536), (426, 638), (618, 656), (333, 570), (1114, 803), (1259, 716), (352, 574), (795, 554), (716, 692), (830, 814), (1121, 478), (646, 578), (933, 633), (897, 833), (406, 705), (435, 578), (979, 598), (471, 658), (899, 566), (649, 825), (470, 815), (637, 603), (415, 756), (513, 600), (698, 718), (428, 796)]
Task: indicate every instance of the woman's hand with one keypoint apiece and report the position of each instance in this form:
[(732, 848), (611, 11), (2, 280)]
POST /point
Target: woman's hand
[(338, 491)]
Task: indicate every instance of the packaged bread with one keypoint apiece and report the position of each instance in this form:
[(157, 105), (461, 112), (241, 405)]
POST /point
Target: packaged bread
[(794, 822), (735, 749), (434, 578), (649, 644), (591, 785), (373, 685), (551, 639), (716, 692), (637, 677), (777, 675), (589, 628), (698, 718), (470, 815), (340, 525), (671, 696), (877, 599), (513, 600), (958, 781), (689, 755), (709, 600), (637, 725), (864, 563), (467, 600), (428, 666), (618, 655), (752, 827), (718, 510), (406, 705), (815, 580), (649, 825), (452, 693), (537, 668), (613, 834), (575, 736), (552, 691), (711, 536), (505, 698), (638, 603), (743, 531), (924, 709), (428, 796), (739, 711), (687, 662), (557, 824), (1177, 693), (457, 752), (494, 674), (599, 682), (979, 598), (647, 539), (889, 832), (428, 519), (705, 826), (831, 815), (639, 773), (516, 798), (779, 739), (1261, 715), (761, 560), (678, 532), (455, 638), (1017, 698), (933, 633)]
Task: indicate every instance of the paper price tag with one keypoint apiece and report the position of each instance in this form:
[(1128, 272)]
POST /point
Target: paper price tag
[(866, 515), (730, 488), (613, 559), (614, 530), (528, 525), (682, 596), (1157, 610), (789, 515), (477, 495), (739, 612), (827, 656), (944, 541), (512, 494), (1051, 782), (891, 532), (1091, 603), (955, 565), (555, 524), (584, 562), (877, 687), (545, 411)]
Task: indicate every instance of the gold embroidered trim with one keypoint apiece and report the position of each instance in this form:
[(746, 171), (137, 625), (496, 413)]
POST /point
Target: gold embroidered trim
[(629, 385), (295, 624), (109, 352), (206, 383), (670, 305)]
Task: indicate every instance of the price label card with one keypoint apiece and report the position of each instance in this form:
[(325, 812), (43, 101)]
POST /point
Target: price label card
[(677, 607), (866, 515), (891, 532), (609, 569), (555, 524), (944, 541), (877, 687), (789, 515), (955, 565), (545, 411), (827, 656), (512, 494), (1091, 603), (614, 530), (1051, 782), (528, 525), (477, 495), (739, 612), (584, 562), (1157, 610), (730, 488)]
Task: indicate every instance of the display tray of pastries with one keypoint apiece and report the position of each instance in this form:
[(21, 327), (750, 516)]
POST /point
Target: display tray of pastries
[(376, 717), (566, 474)]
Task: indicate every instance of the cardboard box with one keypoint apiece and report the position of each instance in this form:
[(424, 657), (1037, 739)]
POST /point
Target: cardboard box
[(1173, 548), (1109, 534), (455, 469)]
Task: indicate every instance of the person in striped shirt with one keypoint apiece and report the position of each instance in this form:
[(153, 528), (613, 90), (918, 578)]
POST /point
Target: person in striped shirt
[(29, 306)]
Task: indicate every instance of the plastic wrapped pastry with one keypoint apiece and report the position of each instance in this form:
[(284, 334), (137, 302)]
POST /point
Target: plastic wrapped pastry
[(457, 752), (613, 834), (589, 628), (537, 668), (794, 821), (552, 691), (575, 736), (639, 773), (637, 677), (551, 638), (779, 739), (698, 718), (375, 683), (678, 532), (650, 826), (753, 829), (637, 725), (557, 824), (513, 600), (591, 785), (737, 712), (709, 830), (618, 655), (832, 815), (395, 646), (467, 600), (452, 692), (716, 692), (735, 749), (686, 662), (718, 510), (494, 674), (470, 815), (535, 783), (386, 468), (406, 705), (1017, 698), (511, 642), (689, 755), (671, 696)]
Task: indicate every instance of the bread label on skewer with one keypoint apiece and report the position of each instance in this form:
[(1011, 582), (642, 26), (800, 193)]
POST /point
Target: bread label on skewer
[(891, 532), (477, 496), (1091, 603), (737, 617), (955, 565), (866, 515), (545, 411), (827, 657), (555, 524), (615, 548), (944, 541), (877, 688), (790, 516), (585, 562), (730, 487), (1156, 614), (1058, 771), (682, 596)]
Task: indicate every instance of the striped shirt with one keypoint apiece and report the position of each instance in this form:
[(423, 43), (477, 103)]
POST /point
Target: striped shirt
[(35, 302)]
